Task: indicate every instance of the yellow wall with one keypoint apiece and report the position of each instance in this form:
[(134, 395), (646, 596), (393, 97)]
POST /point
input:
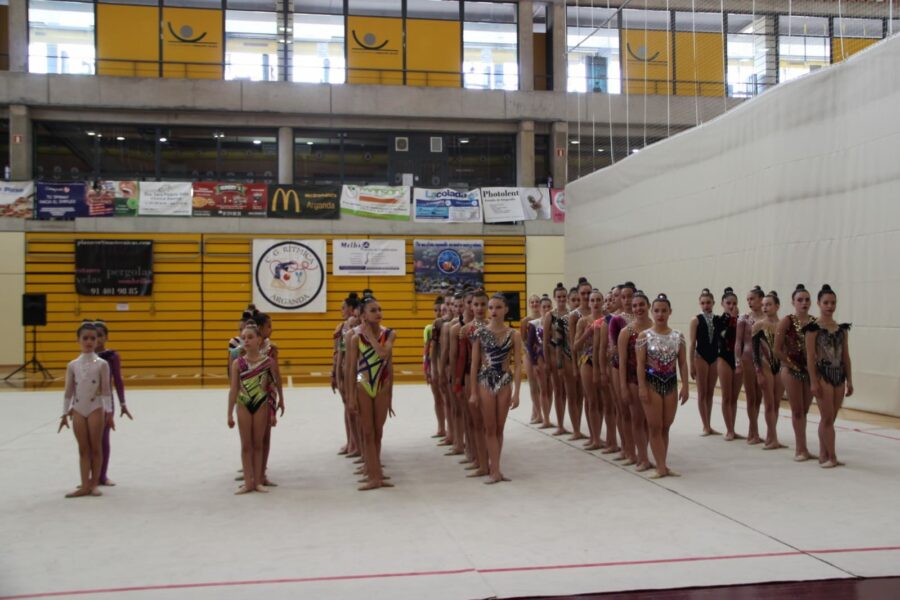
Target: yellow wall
[(545, 256), (849, 47), (198, 57), (707, 69), (433, 46), (383, 62), (127, 33), (201, 285), (12, 286), (646, 65)]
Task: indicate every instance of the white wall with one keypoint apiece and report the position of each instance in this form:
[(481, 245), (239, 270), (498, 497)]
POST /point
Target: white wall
[(12, 286), (799, 185)]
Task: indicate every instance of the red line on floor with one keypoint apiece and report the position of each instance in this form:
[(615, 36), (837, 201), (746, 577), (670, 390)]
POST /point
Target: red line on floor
[(211, 584)]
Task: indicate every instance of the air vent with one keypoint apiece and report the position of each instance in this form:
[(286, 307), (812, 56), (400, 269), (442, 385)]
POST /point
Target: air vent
[(401, 144), (437, 144)]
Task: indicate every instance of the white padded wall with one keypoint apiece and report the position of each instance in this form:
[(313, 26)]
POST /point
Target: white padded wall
[(801, 184)]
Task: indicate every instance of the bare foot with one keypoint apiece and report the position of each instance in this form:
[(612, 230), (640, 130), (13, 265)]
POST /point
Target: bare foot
[(577, 436), (753, 440), (471, 467), (96, 492), (342, 451), (547, 425), (658, 475), (445, 442), (674, 473), (493, 480), (774, 446), (504, 477), (730, 436), (243, 490), (629, 461), (643, 467), (386, 483), (478, 473), (239, 478), (439, 434), (108, 483), (593, 447), (354, 454), (268, 482), (370, 486), (829, 465), (466, 461), (534, 421), (79, 492), (560, 431), (262, 489), (620, 457), (706, 433), (838, 463), (454, 452), (611, 450), (359, 461)]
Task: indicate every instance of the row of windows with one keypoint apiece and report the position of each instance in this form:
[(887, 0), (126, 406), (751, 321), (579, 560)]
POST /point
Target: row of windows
[(67, 151)]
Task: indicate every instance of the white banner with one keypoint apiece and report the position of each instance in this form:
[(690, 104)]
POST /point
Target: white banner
[(289, 275), (376, 201), (446, 206), (165, 198), (16, 199), (535, 203), (368, 257), (502, 204)]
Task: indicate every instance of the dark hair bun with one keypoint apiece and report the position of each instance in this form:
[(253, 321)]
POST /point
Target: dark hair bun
[(582, 280), (729, 290), (826, 288), (353, 295), (629, 284), (773, 293), (800, 288), (705, 291), (559, 284)]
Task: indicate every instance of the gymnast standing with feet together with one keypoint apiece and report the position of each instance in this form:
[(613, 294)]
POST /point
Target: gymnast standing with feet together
[(584, 350), (628, 376), (115, 369), (88, 401), (767, 367), (730, 376), (743, 357), (553, 325), (703, 356)]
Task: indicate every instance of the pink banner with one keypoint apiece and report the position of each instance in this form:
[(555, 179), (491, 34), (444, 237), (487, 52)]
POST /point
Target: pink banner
[(558, 205)]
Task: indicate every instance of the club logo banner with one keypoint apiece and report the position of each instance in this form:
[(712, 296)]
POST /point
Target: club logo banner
[(289, 276), (61, 201), (558, 205), (295, 202), (114, 267), (502, 205), (376, 201), (229, 199), (165, 198), (368, 257), (17, 199), (447, 206), (440, 264)]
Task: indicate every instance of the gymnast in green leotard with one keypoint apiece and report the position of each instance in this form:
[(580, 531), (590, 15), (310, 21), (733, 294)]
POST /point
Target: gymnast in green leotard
[(370, 350), (252, 390)]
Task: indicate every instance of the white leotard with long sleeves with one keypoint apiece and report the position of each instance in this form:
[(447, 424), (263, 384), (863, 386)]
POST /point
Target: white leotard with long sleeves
[(87, 385)]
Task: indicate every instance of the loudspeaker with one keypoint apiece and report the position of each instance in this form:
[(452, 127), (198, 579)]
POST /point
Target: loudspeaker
[(34, 309), (512, 301)]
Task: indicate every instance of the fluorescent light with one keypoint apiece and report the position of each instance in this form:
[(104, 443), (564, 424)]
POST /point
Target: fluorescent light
[(163, 140), (120, 138), (463, 140), (91, 133), (600, 150), (574, 142), (257, 142), (636, 150), (309, 143)]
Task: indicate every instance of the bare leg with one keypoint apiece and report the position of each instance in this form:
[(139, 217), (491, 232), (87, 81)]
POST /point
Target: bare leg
[(494, 409), (367, 437), (96, 421), (754, 397), (82, 436), (546, 394), (573, 399), (729, 400), (104, 480), (534, 389), (772, 391), (829, 400), (797, 399), (706, 385), (626, 427), (593, 414), (611, 416), (479, 435), (245, 428), (559, 399), (653, 410), (260, 433), (638, 427), (438, 410)]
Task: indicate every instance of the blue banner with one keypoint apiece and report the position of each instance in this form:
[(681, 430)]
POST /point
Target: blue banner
[(447, 206), (60, 200)]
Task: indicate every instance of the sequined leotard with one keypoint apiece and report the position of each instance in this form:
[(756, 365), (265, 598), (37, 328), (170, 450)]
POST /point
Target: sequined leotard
[(87, 386), (662, 359), (764, 350), (726, 328), (255, 383), (535, 341), (830, 352), (587, 351), (616, 324), (631, 358), (795, 349), (493, 374), (707, 347)]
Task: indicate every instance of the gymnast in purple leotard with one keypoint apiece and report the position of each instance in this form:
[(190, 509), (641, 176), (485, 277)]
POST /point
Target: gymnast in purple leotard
[(115, 369)]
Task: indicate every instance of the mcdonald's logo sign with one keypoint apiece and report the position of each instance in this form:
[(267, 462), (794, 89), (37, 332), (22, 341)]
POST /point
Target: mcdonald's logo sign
[(296, 202)]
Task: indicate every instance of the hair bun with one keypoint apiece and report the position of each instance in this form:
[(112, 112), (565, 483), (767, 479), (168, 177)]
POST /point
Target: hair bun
[(773, 293), (800, 287), (582, 280), (353, 295), (706, 291), (729, 290), (629, 284), (559, 284), (826, 288), (662, 296)]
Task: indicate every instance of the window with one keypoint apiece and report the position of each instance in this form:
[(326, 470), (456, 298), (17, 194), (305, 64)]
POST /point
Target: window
[(803, 45), (433, 9), (490, 46), (365, 157), (593, 43), (4, 143), (318, 49), (251, 46), (248, 155), (125, 151), (543, 167), (318, 158), (61, 37), (218, 154), (481, 160), (857, 28), (376, 8), (744, 45), (65, 151)]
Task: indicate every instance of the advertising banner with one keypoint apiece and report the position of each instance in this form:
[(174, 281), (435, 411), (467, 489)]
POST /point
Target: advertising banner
[(127, 40), (368, 257), (17, 199), (296, 202), (289, 276), (558, 205), (126, 196), (376, 201), (440, 264), (211, 199), (446, 206), (114, 267), (60, 200), (374, 47), (535, 203), (165, 198), (192, 43), (502, 204)]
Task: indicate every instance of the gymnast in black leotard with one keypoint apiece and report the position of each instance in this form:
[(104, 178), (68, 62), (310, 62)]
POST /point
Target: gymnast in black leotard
[(702, 355)]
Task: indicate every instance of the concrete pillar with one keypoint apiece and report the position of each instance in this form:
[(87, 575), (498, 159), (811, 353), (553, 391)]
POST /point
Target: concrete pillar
[(526, 45), (560, 60), (20, 143), (285, 155), (18, 36), (765, 53), (525, 154), (559, 142)]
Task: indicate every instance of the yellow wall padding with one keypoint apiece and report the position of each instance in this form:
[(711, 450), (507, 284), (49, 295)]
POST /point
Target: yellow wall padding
[(127, 40), (841, 49), (375, 50), (201, 285), (433, 48)]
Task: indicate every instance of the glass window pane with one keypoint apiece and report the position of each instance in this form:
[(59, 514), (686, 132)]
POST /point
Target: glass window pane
[(656, 20), (189, 154), (64, 151), (366, 158), (433, 9), (802, 54), (490, 56), (193, 3), (248, 155), (490, 12), (251, 46), (317, 158), (328, 7), (698, 21), (61, 37), (376, 8), (593, 59), (481, 160), (262, 5), (126, 151), (858, 28), (793, 25), (318, 49)]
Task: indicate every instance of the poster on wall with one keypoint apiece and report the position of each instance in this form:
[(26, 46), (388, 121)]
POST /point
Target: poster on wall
[(121, 195), (368, 257), (502, 205), (440, 264), (289, 276), (535, 203), (376, 201), (558, 205), (114, 267), (17, 199), (60, 200), (297, 202), (446, 206), (165, 198), (211, 199)]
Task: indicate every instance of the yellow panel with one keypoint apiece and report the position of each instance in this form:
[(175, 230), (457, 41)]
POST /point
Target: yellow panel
[(646, 68), (433, 47), (127, 40), (374, 50), (192, 43), (699, 64), (841, 49)]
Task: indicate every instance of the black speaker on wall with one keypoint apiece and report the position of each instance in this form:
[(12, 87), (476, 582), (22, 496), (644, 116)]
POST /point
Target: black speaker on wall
[(512, 301), (34, 310)]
